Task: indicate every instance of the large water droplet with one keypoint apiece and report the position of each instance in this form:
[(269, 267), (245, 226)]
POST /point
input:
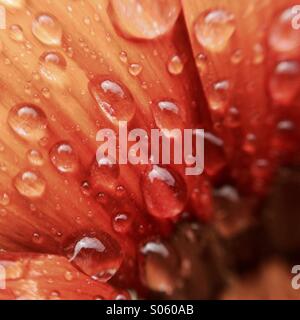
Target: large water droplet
[(47, 29), (158, 265), (64, 158), (213, 29), (96, 254), (113, 98), (104, 174), (144, 19), (167, 114), (283, 37), (28, 121), (164, 192), (285, 82), (30, 184)]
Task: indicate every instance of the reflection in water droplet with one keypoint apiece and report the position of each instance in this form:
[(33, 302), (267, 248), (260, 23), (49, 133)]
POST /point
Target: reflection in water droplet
[(113, 98), (30, 184), (28, 121), (96, 254), (213, 29), (164, 192), (144, 19), (47, 29), (284, 84), (64, 158)]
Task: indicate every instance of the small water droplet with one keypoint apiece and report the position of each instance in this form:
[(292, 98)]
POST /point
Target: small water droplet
[(35, 157), (30, 184), (144, 19), (4, 199), (164, 192), (258, 54), (123, 56), (96, 254), (175, 65), (135, 69), (122, 222), (219, 96), (16, 33), (237, 56), (213, 29), (113, 98), (28, 121), (64, 158), (47, 29)]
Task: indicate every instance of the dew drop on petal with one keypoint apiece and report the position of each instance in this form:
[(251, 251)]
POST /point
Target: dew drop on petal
[(28, 121), (64, 158), (175, 65), (164, 191), (4, 199), (113, 98), (213, 29), (135, 69), (35, 158), (284, 84), (282, 36), (13, 4), (47, 29), (104, 174), (96, 254), (122, 222), (16, 33), (30, 184), (144, 19)]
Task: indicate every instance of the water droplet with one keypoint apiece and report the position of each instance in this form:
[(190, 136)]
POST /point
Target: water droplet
[(68, 275), (123, 56), (259, 54), (104, 174), (232, 119), (4, 199), (14, 4), (219, 96), (283, 37), (164, 192), (28, 121), (284, 84), (30, 184), (47, 29), (16, 33), (167, 115), (122, 222), (144, 19), (52, 68), (135, 69), (158, 266), (237, 56), (249, 145), (213, 29), (113, 98), (175, 65), (35, 157), (96, 254), (64, 158), (201, 62)]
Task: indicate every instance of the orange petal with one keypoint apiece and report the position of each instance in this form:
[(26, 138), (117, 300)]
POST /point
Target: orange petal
[(39, 277)]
